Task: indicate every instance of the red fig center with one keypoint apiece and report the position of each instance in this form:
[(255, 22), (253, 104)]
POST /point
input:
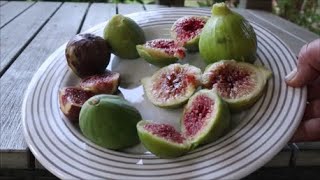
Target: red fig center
[(195, 117), (173, 83), (232, 82), (169, 46), (165, 131), (189, 28), (76, 96)]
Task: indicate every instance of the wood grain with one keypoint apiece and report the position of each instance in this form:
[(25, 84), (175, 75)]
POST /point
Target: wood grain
[(129, 8), (14, 39), (61, 27), (12, 10), (98, 13)]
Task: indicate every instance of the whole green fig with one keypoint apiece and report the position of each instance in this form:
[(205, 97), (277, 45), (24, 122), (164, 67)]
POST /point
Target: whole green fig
[(227, 35), (109, 121), (123, 34)]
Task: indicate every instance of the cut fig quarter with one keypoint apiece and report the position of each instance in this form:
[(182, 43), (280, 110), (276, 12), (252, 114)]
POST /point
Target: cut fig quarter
[(71, 100), (161, 52), (172, 86), (240, 84), (163, 140), (187, 30), (205, 118), (106, 83)]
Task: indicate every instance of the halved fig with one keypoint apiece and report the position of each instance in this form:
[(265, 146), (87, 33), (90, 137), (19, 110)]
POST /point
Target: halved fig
[(71, 100), (240, 84), (187, 30), (106, 83), (205, 118), (162, 140), (172, 86), (161, 52)]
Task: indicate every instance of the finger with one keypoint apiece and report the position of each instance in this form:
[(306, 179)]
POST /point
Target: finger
[(307, 131), (308, 65), (312, 110)]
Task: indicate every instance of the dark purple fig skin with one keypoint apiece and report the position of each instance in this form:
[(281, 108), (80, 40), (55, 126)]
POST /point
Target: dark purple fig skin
[(71, 100), (87, 54), (106, 83)]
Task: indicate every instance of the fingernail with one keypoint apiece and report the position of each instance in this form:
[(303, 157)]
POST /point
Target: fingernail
[(291, 74)]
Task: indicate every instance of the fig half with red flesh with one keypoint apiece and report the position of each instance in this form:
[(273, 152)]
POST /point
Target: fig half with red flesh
[(163, 140), (106, 83), (161, 52), (71, 100), (205, 118), (173, 85), (240, 84), (187, 29)]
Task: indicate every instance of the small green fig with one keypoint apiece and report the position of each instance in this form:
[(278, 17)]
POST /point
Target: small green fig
[(109, 121), (123, 34), (227, 35)]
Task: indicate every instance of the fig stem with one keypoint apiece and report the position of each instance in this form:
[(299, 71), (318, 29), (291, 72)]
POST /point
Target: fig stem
[(220, 9)]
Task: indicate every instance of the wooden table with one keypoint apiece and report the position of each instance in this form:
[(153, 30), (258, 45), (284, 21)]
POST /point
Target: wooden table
[(31, 31)]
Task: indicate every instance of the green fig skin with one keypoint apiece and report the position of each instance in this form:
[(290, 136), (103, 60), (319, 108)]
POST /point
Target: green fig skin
[(155, 57), (216, 126), (159, 146), (259, 74), (227, 35), (109, 121), (123, 34)]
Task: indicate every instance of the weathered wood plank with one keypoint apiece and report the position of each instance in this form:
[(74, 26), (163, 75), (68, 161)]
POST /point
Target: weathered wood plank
[(12, 10), (3, 3), (14, 39), (129, 8), (293, 42), (290, 28), (308, 158), (98, 13), (61, 27), (154, 6)]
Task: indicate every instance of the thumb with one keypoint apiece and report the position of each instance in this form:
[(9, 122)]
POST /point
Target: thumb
[(308, 65)]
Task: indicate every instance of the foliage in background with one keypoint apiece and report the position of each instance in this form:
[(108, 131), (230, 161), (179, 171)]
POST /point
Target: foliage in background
[(305, 13)]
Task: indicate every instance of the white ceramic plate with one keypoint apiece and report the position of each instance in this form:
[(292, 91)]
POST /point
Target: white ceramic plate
[(257, 135)]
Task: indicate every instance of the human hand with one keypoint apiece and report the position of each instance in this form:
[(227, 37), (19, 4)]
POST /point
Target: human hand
[(308, 74)]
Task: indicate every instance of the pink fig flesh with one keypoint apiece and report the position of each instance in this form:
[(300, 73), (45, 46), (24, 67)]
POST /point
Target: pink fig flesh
[(188, 28), (106, 83), (175, 82), (195, 118), (71, 100), (168, 46), (165, 131), (231, 81)]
